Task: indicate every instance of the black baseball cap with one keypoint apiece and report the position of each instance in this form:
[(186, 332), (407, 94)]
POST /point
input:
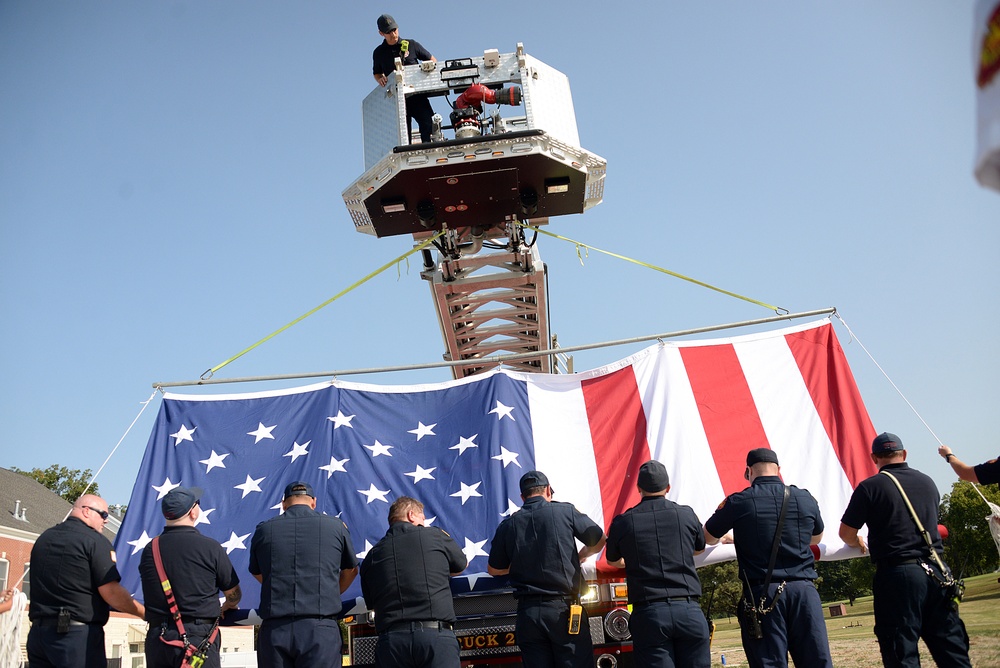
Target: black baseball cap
[(533, 479), (886, 442), (298, 488), (179, 501), (761, 456), (386, 23), (653, 477)]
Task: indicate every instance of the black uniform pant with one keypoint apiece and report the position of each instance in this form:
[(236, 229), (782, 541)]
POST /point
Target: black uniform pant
[(419, 107), (417, 648), (670, 633), (795, 626), (542, 632), (910, 604), (298, 642), (162, 655), (80, 647)]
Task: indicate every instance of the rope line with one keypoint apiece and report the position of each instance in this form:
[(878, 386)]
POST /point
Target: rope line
[(419, 247), (900, 393), (648, 265), (145, 404)]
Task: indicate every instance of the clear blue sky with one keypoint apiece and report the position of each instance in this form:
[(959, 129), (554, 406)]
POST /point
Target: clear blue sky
[(170, 179)]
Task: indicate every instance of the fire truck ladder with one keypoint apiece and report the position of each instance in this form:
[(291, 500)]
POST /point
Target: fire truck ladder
[(490, 300)]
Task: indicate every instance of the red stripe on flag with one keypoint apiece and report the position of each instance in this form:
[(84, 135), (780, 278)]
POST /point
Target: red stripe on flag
[(831, 384), (728, 412), (618, 430)]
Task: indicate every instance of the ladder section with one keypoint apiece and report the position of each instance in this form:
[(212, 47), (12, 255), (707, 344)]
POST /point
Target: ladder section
[(492, 303)]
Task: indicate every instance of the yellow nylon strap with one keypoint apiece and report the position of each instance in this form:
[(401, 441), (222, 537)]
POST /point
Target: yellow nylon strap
[(424, 244), (580, 244)]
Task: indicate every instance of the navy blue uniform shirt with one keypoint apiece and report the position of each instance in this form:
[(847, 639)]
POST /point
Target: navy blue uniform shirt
[(384, 56), (537, 544), (406, 577), (300, 554), (658, 539), (198, 569), (69, 562), (753, 516), (892, 533)]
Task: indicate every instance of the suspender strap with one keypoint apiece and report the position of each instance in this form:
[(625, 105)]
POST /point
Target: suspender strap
[(175, 613), (924, 533), (777, 540), (168, 591)]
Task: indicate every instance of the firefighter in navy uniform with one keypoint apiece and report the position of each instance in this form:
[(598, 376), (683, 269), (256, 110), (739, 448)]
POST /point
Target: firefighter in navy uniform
[(910, 601), (793, 622), (73, 581), (304, 561), (198, 568), (655, 542), (536, 546), (383, 64), (405, 579)]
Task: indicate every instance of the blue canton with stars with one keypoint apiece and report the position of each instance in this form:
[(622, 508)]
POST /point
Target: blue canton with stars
[(459, 448)]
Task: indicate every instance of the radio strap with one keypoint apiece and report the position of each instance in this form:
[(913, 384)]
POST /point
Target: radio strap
[(189, 660)]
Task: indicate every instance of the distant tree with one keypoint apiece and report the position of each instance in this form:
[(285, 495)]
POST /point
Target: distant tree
[(67, 483), (969, 549), (847, 578), (720, 589)]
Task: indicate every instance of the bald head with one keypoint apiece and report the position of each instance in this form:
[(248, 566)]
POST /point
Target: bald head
[(92, 510)]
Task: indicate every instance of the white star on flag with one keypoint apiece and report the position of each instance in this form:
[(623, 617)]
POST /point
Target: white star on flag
[(379, 449), (280, 507), (215, 461), (422, 474), (364, 553), (262, 432), (374, 493), (182, 434), (334, 466), (250, 485), (235, 542), (465, 443), (511, 509), (503, 411), (423, 430), (474, 578), (429, 520), (468, 491), (341, 420), (474, 549), (507, 457), (140, 542), (162, 490), (203, 516), (298, 450)]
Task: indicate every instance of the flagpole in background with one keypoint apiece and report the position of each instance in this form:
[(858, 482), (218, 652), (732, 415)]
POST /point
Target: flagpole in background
[(500, 359)]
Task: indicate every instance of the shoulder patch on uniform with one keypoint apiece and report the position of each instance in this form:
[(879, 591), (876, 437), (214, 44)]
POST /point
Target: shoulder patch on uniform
[(722, 505), (114, 557)]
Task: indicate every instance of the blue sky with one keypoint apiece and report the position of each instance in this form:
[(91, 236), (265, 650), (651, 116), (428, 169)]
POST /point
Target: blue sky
[(170, 179)]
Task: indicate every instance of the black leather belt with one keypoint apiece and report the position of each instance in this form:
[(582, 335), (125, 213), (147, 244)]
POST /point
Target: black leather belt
[(160, 621), (882, 563), (670, 599), (54, 621), (420, 626), (777, 580)]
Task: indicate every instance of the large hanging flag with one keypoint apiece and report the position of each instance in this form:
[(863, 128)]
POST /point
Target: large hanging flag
[(460, 447)]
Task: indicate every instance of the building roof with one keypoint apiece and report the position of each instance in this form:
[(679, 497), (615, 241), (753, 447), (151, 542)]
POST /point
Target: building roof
[(40, 507)]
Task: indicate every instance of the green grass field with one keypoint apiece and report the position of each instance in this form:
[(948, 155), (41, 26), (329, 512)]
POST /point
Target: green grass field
[(852, 637)]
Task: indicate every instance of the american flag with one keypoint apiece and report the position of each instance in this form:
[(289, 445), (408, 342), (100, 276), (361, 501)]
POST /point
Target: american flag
[(461, 447)]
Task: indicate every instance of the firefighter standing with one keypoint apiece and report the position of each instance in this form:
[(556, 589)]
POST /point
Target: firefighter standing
[(655, 542), (197, 568), (73, 581), (536, 546), (304, 562)]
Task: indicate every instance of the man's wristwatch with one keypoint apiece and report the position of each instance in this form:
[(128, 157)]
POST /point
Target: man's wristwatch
[(948, 457)]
